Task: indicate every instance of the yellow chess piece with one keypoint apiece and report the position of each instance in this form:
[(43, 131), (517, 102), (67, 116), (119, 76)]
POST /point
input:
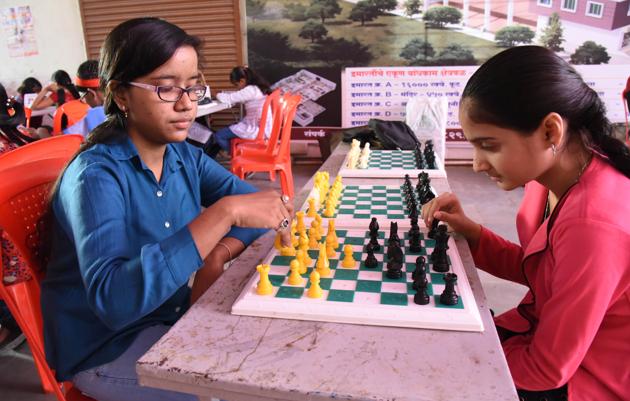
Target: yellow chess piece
[(330, 248), (300, 226), (348, 259), (314, 291), (329, 211), (312, 238), (287, 251), (311, 208), (332, 232), (323, 265), (320, 226), (301, 257), (264, 286), (294, 277), (278, 242), (304, 242), (316, 231)]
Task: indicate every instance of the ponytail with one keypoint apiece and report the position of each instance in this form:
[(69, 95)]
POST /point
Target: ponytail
[(251, 78)]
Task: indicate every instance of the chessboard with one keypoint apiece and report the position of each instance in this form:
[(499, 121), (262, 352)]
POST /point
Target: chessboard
[(391, 164), (362, 294)]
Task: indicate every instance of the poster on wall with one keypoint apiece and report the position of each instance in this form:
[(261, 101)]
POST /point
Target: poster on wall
[(19, 31), (290, 41)]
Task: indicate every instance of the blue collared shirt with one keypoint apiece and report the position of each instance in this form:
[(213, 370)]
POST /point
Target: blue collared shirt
[(122, 252)]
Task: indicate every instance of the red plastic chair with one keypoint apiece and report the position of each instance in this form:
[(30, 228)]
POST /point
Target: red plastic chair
[(25, 183), (74, 110), (271, 104), (57, 146), (277, 157)]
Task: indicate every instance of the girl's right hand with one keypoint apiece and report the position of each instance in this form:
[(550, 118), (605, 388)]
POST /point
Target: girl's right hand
[(264, 209), (448, 209)]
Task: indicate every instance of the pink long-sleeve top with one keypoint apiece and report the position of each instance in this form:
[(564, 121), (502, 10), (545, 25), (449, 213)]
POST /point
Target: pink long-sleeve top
[(575, 319)]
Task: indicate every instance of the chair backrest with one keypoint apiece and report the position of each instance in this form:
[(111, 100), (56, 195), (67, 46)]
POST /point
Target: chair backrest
[(291, 104), (74, 111), (271, 105), (56, 146)]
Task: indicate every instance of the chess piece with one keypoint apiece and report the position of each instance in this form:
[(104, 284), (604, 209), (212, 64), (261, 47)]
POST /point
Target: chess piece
[(311, 208), (393, 234), (348, 260), (312, 238), (332, 232), (294, 277), (320, 226), (264, 286), (439, 257), (315, 225), (329, 211), (449, 296), (323, 265), (300, 226), (277, 243), (414, 241), (287, 251), (419, 275), (374, 226), (303, 242), (314, 291), (301, 257), (370, 260), (421, 296), (330, 247), (394, 262), (374, 241), (433, 230)]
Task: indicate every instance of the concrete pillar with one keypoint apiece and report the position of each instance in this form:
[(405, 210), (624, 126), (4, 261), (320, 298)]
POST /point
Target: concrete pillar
[(510, 12), (465, 12), (487, 7)]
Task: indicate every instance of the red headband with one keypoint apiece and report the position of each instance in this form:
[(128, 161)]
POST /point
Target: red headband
[(87, 83)]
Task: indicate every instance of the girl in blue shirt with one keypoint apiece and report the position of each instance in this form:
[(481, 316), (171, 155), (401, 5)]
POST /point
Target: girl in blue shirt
[(128, 228)]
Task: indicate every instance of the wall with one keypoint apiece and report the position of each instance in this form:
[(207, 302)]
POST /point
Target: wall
[(60, 42)]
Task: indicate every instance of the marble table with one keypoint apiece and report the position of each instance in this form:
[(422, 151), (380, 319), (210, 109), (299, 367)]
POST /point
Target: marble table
[(212, 353)]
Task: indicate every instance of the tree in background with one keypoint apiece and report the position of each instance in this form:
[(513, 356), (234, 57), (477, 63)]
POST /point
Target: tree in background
[(255, 8), (313, 30), (323, 9), (384, 5), (456, 54), (442, 15), (295, 12), (412, 7), (342, 52), (364, 11), (417, 51), (590, 53), (512, 35), (552, 35), (272, 45)]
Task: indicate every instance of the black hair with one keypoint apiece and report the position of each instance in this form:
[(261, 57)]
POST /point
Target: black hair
[(62, 79), (30, 85), (251, 78), (87, 70), (12, 115), (518, 87)]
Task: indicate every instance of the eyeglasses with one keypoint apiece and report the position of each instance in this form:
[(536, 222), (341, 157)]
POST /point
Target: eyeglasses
[(174, 93)]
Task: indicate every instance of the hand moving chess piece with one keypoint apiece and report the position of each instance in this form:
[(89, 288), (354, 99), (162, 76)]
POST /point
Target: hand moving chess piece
[(314, 291), (294, 277), (264, 286), (287, 251)]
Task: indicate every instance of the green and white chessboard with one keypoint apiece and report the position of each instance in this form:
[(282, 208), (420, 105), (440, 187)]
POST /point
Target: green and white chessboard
[(359, 203), (364, 295), (391, 164)]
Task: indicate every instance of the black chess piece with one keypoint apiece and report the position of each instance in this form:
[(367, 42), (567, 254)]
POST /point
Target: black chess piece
[(393, 235), (421, 297), (439, 257), (374, 225), (449, 296), (414, 241), (374, 241), (394, 262), (433, 230), (370, 260), (420, 273)]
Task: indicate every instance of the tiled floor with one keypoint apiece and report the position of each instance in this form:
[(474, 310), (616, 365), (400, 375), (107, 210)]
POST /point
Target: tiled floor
[(480, 198)]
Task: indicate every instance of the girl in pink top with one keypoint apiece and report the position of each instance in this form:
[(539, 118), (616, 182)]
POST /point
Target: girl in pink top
[(533, 121)]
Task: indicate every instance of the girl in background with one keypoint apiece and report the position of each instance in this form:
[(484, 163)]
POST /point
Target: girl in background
[(533, 121), (61, 90), (252, 91)]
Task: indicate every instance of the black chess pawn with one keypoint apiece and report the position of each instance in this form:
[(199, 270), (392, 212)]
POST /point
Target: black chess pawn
[(421, 297), (449, 296), (420, 273), (370, 260), (414, 241), (439, 257)]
